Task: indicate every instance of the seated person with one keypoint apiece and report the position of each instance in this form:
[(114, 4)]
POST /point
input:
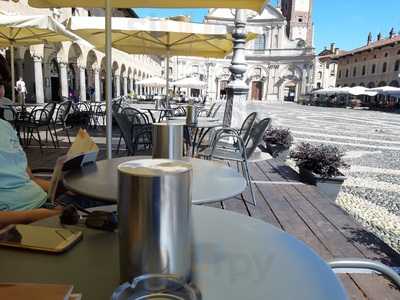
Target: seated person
[(3, 100), (21, 194)]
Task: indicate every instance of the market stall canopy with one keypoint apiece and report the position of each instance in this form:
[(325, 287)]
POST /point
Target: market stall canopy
[(156, 82), (361, 91), (32, 30), (256, 5), (190, 82), (387, 91), (158, 36), (332, 91)]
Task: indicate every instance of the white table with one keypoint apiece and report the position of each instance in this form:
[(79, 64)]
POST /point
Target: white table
[(212, 181), (235, 258)]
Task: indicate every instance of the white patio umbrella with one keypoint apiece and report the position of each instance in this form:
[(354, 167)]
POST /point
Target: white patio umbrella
[(256, 5), (360, 90), (190, 82), (387, 91), (30, 30), (156, 82), (158, 37), (332, 91)]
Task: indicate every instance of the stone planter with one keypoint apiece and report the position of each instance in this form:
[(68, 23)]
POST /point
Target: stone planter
[(276, 151), (327, 186)]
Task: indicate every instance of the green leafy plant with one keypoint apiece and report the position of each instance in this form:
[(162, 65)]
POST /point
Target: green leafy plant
[(324, 160), (279, 136)]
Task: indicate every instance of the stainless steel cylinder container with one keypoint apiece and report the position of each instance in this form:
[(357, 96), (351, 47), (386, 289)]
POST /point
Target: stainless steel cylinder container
[(168, 141), (154, 212), (191, 114)]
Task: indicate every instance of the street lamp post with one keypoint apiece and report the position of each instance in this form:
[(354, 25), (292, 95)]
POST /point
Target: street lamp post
[(237, 89)]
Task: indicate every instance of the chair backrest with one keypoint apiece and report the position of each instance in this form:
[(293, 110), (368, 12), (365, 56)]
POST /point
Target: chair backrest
[(210, 111), (247, 125), (50, 109), (62, 111), (125, 127), (135, 116), (82, 106), (214, 114), (256, 135)]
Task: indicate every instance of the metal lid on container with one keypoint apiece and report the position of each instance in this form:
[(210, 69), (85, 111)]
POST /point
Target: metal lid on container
[(154, 167)]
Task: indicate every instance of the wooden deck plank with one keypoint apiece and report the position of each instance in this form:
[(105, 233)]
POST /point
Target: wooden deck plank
[(335, 239)]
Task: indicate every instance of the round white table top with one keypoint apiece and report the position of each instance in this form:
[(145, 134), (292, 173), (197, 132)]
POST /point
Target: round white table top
[(212, 181), (234, 257)]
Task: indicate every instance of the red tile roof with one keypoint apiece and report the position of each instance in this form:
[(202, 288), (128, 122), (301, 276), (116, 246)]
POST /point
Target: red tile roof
[(377, 44)]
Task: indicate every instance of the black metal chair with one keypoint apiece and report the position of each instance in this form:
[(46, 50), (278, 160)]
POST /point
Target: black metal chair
[(39, 118), (99, 113), (139, 122), (62, 112), (239, 151)]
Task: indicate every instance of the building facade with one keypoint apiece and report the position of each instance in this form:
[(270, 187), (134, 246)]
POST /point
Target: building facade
[(75, 70), (375, 64), (325, 68), (280, 61)]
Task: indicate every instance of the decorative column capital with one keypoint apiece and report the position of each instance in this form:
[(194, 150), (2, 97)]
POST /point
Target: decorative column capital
[(37, 58)]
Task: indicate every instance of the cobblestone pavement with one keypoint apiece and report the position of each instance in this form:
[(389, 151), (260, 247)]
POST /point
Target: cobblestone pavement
[(371, 141)]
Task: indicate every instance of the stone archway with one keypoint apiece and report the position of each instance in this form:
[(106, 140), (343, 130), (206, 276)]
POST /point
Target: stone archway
[(92, 78), (123, 84), (115, 80), (29, 76), (73, 72)]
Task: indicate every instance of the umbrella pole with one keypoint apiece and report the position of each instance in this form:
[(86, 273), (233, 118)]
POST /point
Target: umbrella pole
[(167, 76), (12, 73), (108, 80)]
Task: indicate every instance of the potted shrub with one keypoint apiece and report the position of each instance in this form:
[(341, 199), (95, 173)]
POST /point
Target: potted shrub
[(277, 142), (320, 165)]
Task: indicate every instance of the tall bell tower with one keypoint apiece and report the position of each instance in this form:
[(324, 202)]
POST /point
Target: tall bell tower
[(298, 14)]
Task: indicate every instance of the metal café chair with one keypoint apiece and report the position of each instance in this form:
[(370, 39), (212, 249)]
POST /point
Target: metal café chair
[(62, 112), (38, 119), (239, 151)]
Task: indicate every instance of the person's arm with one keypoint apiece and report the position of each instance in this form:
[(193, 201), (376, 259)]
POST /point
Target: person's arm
[(43, 183), (25, 217)]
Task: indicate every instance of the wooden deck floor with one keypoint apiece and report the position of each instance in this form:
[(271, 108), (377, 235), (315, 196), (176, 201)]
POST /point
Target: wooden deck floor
[(304, 213)]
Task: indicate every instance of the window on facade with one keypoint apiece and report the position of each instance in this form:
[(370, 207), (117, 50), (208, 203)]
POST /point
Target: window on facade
[(195, 69), (347, 73), (300, 20), (259, 43), (384, 67), (398, 52), (375, 56), (373, 69), (327, 66), (397, 66), (354, 72), (386, 54), (320, 75), (363, 70), (257, 71), (340, 74)]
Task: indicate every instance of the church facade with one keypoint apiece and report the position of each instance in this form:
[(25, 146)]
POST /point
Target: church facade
[(280, 61)]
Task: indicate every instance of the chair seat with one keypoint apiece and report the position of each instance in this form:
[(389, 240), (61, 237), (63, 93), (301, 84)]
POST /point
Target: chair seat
[(223, 153)]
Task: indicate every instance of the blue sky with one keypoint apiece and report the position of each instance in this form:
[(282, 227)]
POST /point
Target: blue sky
[(346, 22)]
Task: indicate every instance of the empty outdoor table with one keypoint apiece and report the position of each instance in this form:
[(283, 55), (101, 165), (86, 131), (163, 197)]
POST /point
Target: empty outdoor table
[(212, 181), (234, 257)]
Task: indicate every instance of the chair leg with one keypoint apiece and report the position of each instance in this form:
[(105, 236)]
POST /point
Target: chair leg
[(51, 136), (39, 139), (67, 133), (55, 134), (248, 178), (119, 143)]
